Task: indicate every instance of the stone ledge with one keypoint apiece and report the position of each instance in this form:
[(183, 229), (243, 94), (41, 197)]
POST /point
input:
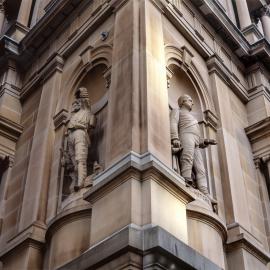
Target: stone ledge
[(240, 238), (258, 130), (139, 167), (10, 129), (33, 236), (151, 243), (208, 217), (67, 216)]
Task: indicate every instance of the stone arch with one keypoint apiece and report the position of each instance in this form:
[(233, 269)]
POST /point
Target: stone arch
[(89, 59), (180, 59)]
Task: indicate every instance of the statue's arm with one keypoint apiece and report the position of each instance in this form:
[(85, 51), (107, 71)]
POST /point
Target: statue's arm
[(206, 142), (174, 120)]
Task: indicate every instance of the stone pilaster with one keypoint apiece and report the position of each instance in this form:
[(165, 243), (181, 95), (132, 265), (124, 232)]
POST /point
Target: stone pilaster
[(24, 12), (265, 20), (243, 13)]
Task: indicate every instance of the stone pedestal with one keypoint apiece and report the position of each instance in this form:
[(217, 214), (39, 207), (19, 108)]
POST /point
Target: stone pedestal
[(206, 231), (68, 234), (133, 191)]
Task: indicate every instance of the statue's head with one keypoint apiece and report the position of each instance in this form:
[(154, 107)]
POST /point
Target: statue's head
[(76, 106), (82, 96), (186, 102), (82, 93)]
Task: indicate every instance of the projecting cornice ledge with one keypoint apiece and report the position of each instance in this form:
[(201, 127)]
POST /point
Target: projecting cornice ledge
[(139, 167), (10, 129), (259, 130), (232, 36), (154, 245)]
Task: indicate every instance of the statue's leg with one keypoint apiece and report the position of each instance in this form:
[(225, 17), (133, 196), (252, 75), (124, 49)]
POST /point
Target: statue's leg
[(200, 172), (81, 150), (71, 153), (187, 155)]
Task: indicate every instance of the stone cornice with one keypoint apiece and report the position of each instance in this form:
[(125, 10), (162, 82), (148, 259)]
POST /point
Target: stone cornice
[(34, 236), (233, 37), (242, 242), (259, 130), (162, 247), (140, 167), (53, 64), (67, 216), (216, 66), (240, 238), (209, 218), (264, 11), (10, 129), (49, 22)]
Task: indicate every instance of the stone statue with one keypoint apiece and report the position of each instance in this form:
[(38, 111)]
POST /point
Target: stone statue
[(78, 139), (186, 141)]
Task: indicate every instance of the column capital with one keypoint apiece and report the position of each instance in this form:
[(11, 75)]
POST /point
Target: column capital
[(2, 6), (266, 159), (257, 162), (263, 11)]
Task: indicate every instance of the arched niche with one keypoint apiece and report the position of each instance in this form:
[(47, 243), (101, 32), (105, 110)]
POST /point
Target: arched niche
[(96, 84), (96, 81), (180, 84), (183, 77)]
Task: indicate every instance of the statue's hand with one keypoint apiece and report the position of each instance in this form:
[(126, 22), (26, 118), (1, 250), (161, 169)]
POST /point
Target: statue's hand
[(176, 143), (210, 142)]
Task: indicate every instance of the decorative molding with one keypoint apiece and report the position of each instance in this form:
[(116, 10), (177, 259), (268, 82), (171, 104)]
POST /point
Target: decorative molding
[(54, 64), (161, 250), (239, 238), (139, 167), (215, 66), (263, 11), (209, 218), (252, 29), (33, 236), (259, 130), (210, 119), (60, 118), (10, 129), (67, 216)]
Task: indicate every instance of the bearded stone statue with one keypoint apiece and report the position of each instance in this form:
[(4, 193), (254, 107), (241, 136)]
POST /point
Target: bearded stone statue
[(78, 139)]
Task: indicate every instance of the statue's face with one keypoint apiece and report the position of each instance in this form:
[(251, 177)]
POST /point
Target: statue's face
[(76, 106), (188, 103)]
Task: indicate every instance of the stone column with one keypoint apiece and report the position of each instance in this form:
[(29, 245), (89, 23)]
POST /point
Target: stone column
[(2, 15), (265, 20), (24, 12), (243, 13)]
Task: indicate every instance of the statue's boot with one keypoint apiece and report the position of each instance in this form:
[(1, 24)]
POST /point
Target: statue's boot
[(214, 202), (188, 182), (82, 173)]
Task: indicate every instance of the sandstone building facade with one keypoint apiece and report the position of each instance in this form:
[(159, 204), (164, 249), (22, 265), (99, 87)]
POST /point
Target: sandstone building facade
[(107, 194)]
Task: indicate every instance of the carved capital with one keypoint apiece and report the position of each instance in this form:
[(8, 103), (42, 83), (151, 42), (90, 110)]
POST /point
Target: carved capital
[(257, 163), (266, 159), (264, 11), (2, 6)]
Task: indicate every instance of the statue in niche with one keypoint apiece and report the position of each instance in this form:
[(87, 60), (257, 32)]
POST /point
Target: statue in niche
[(185, 142), (77, 142)]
